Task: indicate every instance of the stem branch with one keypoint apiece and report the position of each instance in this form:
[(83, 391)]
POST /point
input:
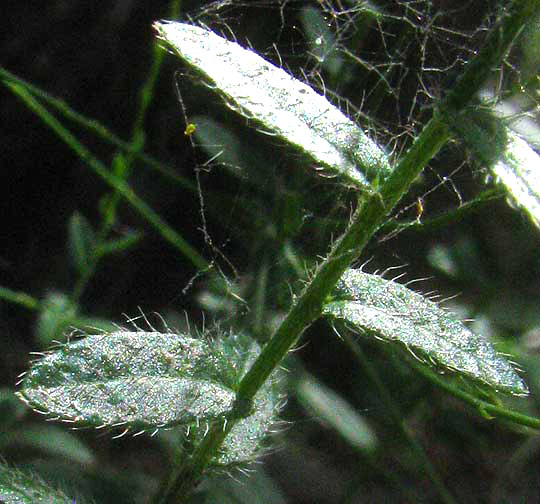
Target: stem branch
[(369, 216)]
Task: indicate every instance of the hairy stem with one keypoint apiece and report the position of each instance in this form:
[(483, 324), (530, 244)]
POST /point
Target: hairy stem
[(369, 216)]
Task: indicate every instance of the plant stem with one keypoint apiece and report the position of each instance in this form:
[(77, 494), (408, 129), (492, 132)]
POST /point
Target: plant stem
[(19, 298), (484, 407), (365, 222), (123, 166), (166, 231), (99, 129), (449, 217), (308, 307), (397, 417)]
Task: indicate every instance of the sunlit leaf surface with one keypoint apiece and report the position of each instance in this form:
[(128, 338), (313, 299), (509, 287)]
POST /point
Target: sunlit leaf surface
[(390, 311), (140, 379), (284, 106), (519, 172)]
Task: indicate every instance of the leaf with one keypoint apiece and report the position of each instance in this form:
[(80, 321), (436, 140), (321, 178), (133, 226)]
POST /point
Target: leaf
[(333, 410), (81, 241), (48, 440), (519, 172), (57, 314), (11, 409), (221, 144), (392, 312), (322, 43), (513, 162), (244, 441), (17, 487), (244, 488), (284, 106), (111, 246), (142, 380)]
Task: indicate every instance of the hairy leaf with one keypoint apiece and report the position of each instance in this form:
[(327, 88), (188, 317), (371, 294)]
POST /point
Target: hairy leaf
[(140, 380), (243, 443), (519, 172), (284, 106), (17, 487), (393, 312), (513, 162)]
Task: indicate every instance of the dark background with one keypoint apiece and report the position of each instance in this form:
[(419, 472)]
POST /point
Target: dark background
[(96, 56)]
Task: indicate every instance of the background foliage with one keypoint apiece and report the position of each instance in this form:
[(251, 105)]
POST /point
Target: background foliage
[(262, 220)]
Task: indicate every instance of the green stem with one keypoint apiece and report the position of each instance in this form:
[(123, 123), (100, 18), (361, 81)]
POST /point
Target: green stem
[(166, 231), (308, 307), (123, 166), (397, 417), (367, 219), (484, 407), (496, 47), (19, 298), (393, 227), (146, 93), (98, 129)]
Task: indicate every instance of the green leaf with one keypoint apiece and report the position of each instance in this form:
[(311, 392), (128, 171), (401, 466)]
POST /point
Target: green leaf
[(81, 241), (221, 144), (284, 106), (244, 488), (334, 411), (390, 311), (244, 441), (322, 42), (129, 240), (530, 55), (513, 162), (140, 380), (519, 172), (17, 487), (58, 313), (49, 440)]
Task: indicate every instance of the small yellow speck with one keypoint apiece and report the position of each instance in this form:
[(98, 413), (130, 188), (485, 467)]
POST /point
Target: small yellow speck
[(419, 209), (190, 129)]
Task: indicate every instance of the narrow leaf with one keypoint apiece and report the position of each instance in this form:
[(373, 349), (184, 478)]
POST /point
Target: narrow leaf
[(11, 410), (390, 311), (142, 380), (47, 440), (129, 240), (243, 488), (334, 411), (284, 106), (322, 42), (81, 241)]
